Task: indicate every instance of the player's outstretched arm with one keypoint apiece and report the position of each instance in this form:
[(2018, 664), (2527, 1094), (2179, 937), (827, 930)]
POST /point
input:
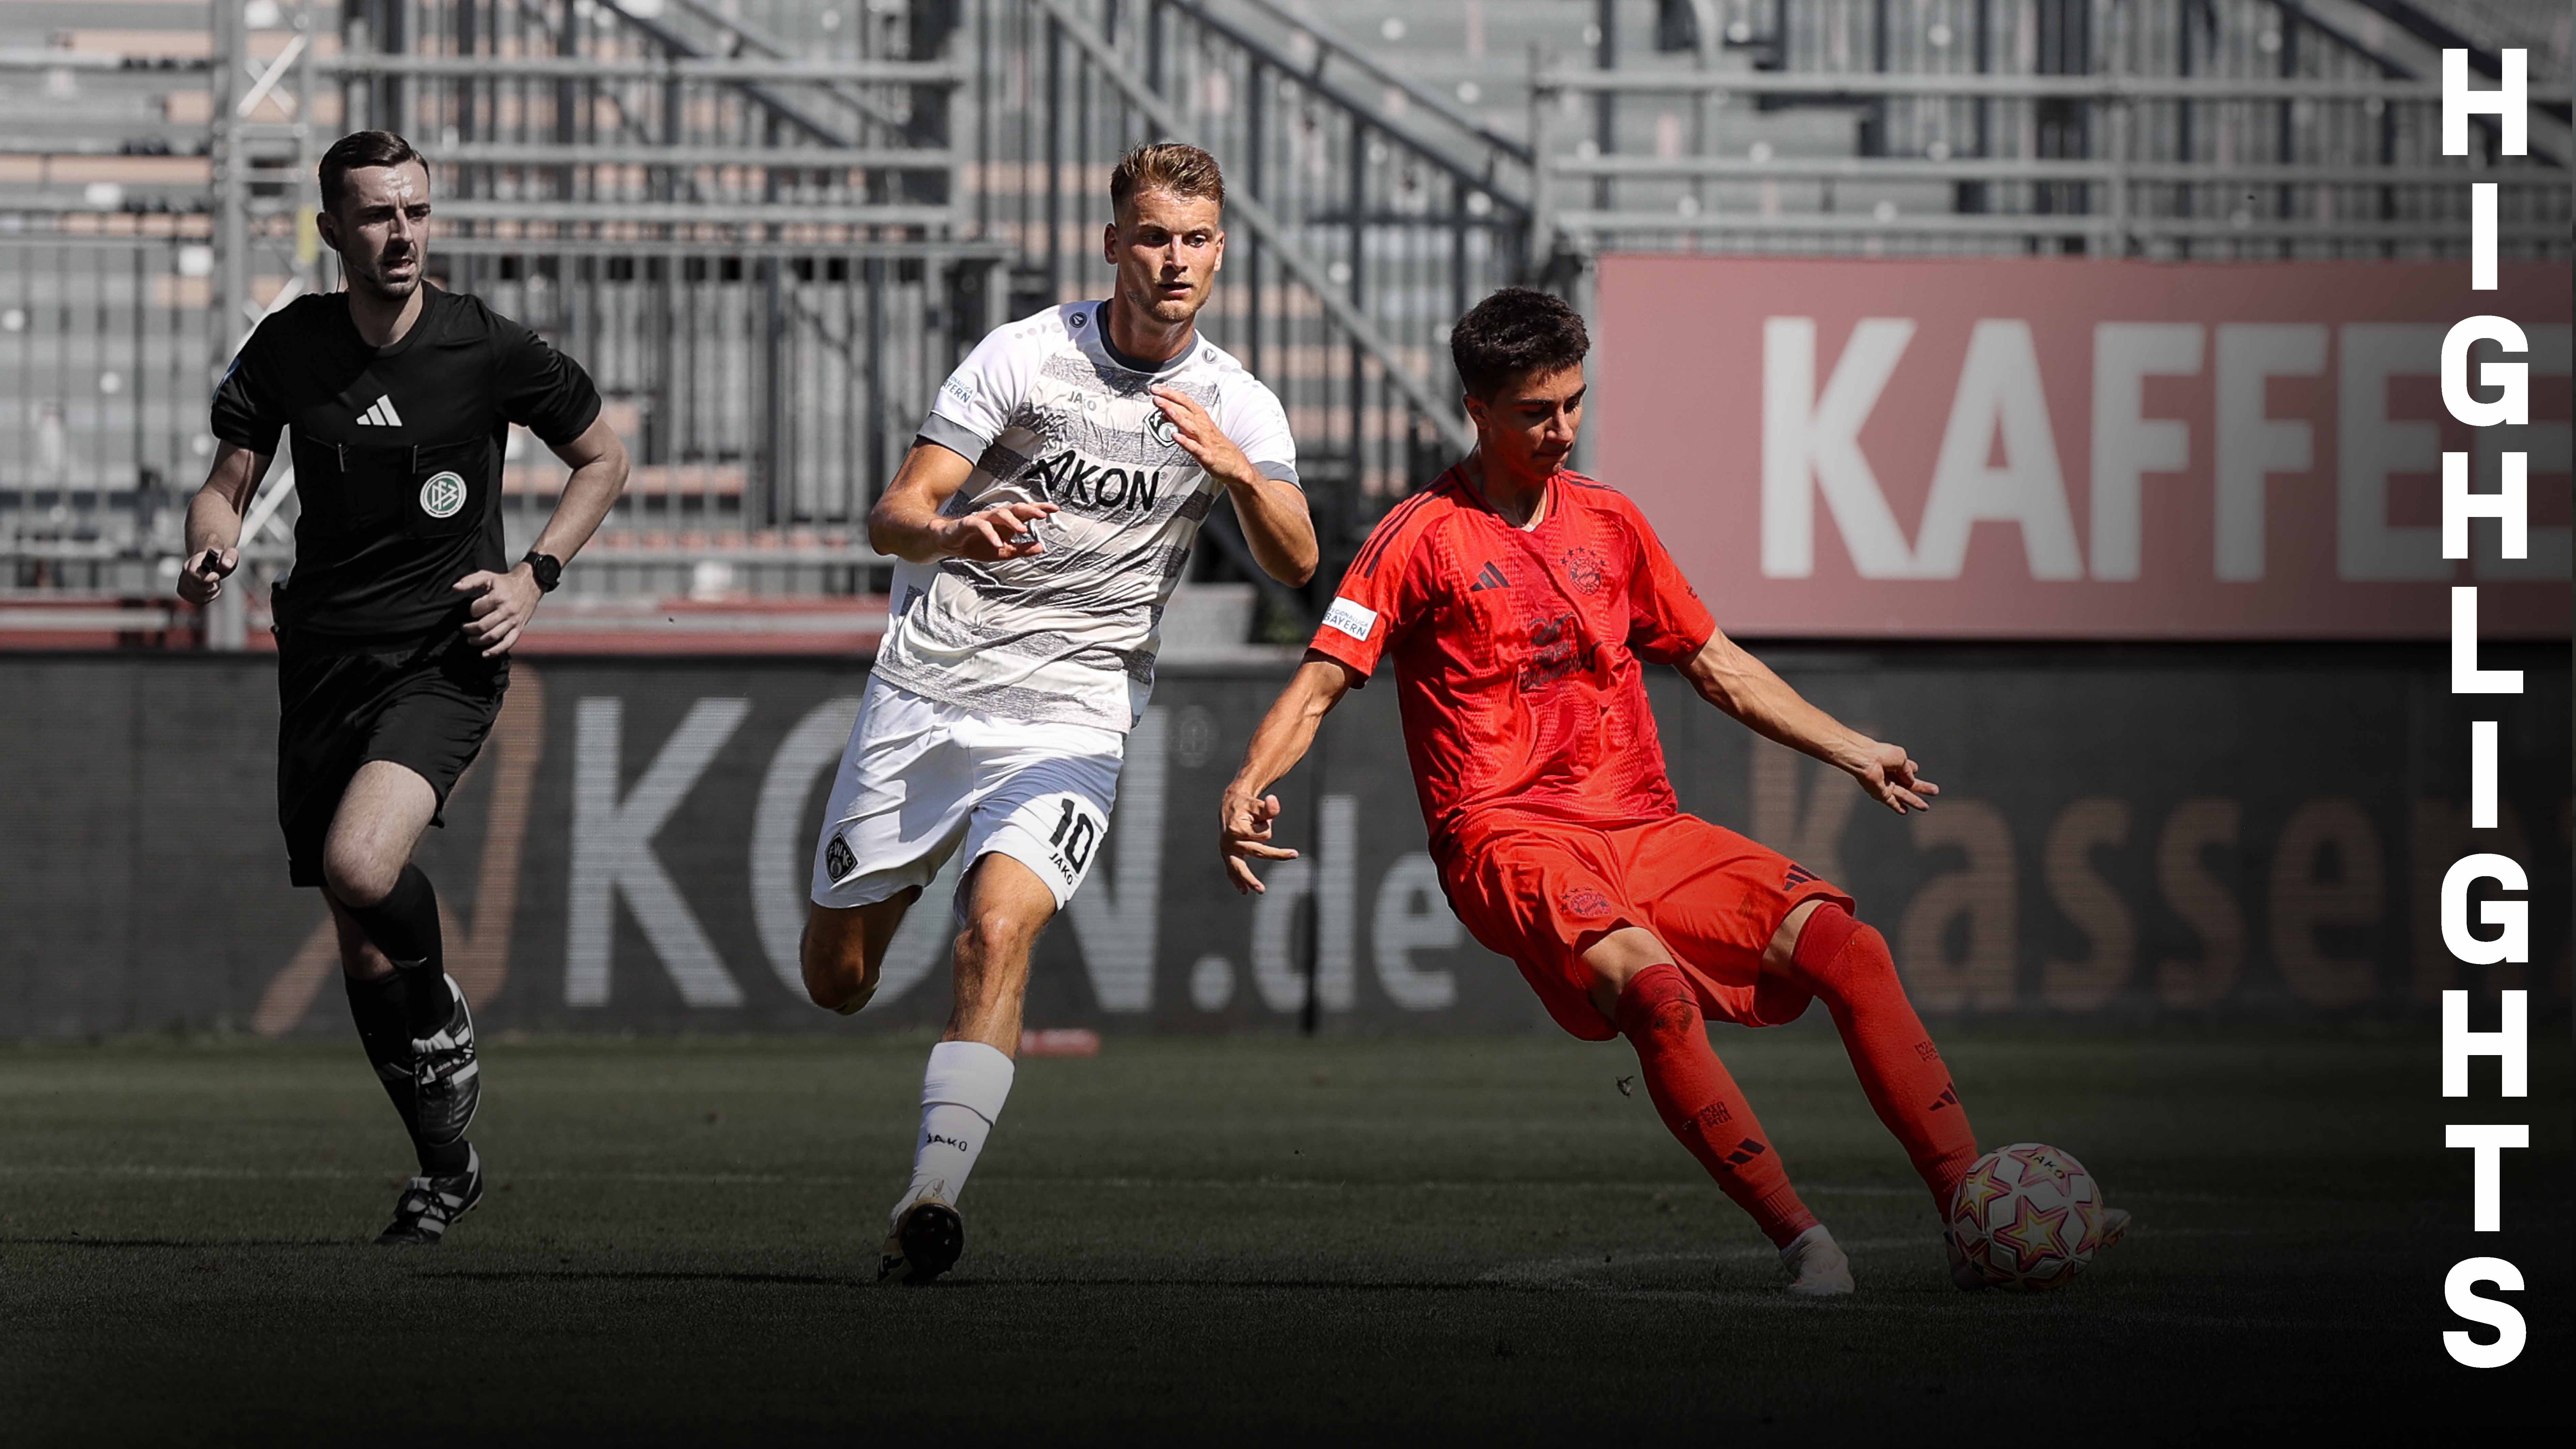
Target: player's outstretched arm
[(1745, 687), (905, 523), (1245, 812), (506, 601), (1271, 510), (215, 521)]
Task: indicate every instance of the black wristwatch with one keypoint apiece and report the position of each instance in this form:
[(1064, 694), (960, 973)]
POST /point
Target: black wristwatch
[(547, 568)]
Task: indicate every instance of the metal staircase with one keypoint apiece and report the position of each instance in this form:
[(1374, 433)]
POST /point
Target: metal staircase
[(770, 226), (1359, 227)]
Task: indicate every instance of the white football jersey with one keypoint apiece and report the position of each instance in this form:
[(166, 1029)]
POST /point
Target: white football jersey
[(1052, 414)]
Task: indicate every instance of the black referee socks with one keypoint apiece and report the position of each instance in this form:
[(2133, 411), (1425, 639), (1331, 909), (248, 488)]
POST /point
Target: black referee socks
[(380, 1009), (404, 925)]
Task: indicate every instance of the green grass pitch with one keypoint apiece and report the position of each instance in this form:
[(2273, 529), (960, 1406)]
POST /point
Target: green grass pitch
[(1255, 1240)]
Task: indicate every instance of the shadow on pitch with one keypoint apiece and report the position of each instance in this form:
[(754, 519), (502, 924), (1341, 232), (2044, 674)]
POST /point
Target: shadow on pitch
[(196, 1244), (956, 1285), (642, 1275)]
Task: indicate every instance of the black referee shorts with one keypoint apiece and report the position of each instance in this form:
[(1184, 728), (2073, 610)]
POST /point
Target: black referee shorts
[(425, 705)]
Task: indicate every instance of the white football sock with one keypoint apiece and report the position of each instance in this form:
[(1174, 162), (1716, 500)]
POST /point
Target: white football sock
[(961, 1095)]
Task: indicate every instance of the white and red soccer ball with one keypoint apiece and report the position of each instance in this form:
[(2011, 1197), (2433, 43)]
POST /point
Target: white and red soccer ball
[(2028, 1217)]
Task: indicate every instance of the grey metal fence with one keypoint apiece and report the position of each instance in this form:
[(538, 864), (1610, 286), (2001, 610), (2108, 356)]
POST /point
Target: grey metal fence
[(758, 254), (770, 227), (2167, 128), (103, 348), (1357, 229)]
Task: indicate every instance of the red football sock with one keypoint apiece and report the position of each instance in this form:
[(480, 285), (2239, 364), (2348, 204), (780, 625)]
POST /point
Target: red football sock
[(1847, 965), (1700, 1102)]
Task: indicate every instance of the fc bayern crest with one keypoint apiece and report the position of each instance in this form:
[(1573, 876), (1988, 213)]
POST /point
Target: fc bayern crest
[(1583, 900), (443, 496), (1585, 569)]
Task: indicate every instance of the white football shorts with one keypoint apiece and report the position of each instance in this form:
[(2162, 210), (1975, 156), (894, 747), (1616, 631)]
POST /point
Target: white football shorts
[(920, 778)]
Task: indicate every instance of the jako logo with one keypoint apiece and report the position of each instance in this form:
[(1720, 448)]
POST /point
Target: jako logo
[(951, 1141), (1071, 482)]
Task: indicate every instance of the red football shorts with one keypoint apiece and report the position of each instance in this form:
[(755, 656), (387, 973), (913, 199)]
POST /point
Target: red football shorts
[(1542, 892)]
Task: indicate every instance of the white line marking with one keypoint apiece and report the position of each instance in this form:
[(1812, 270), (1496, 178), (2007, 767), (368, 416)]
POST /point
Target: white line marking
[(148, 1171)]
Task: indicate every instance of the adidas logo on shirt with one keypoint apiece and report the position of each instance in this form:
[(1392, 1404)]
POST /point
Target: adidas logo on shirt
[(381, 414), (1491, 578)]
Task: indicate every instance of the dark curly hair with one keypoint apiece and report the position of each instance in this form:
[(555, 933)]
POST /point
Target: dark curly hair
[(1513, 332)]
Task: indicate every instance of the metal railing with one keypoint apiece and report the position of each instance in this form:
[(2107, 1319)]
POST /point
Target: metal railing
[(758, 256), (1356, 234), (2161, 128), (103, 341), (769, 239)]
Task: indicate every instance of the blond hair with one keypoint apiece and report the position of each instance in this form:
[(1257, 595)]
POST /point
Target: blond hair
[(1173, 166)]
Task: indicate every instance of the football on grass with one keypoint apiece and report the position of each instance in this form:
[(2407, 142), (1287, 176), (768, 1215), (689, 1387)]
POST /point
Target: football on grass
[(2028, 1216)]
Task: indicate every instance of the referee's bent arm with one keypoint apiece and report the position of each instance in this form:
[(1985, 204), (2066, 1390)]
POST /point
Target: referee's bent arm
[(215, 520), (599, 467)]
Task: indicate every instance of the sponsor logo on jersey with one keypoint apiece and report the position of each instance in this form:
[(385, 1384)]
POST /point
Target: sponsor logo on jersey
[(443, 496), (930, 1137), (1351, 619), (1557, 649), (381, 414), (1489, 577), (1072, 481)]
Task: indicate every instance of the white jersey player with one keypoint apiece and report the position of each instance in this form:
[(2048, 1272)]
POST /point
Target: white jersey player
[(1043, 518)]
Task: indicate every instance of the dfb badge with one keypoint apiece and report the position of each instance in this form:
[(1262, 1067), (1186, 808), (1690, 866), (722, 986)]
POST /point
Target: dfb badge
[(443, 496)]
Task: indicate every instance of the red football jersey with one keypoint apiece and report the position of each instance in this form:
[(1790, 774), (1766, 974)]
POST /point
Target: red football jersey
[(1516, 651)]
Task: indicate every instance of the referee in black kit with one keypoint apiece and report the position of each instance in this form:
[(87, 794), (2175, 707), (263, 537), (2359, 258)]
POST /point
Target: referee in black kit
[(394, 633)]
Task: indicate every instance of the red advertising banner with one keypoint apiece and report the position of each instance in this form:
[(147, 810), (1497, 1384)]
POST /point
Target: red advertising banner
[(2053, 448)]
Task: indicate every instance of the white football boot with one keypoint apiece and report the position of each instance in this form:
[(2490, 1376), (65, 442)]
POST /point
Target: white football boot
[(2115, 1226), (1816, 1265)]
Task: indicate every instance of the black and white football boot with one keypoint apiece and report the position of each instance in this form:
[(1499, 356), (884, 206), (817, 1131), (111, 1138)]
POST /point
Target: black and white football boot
[(429, 1204), (927, 1239), (447, 1081)]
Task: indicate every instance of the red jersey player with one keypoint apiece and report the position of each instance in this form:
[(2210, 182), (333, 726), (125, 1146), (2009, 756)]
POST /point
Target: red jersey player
[(1518, 602)]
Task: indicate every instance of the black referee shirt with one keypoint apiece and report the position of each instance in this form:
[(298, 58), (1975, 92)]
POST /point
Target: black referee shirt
[(397, 452)]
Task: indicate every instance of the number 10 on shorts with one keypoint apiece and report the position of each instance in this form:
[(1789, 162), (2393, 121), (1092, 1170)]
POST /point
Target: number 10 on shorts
[(1077, 834)]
